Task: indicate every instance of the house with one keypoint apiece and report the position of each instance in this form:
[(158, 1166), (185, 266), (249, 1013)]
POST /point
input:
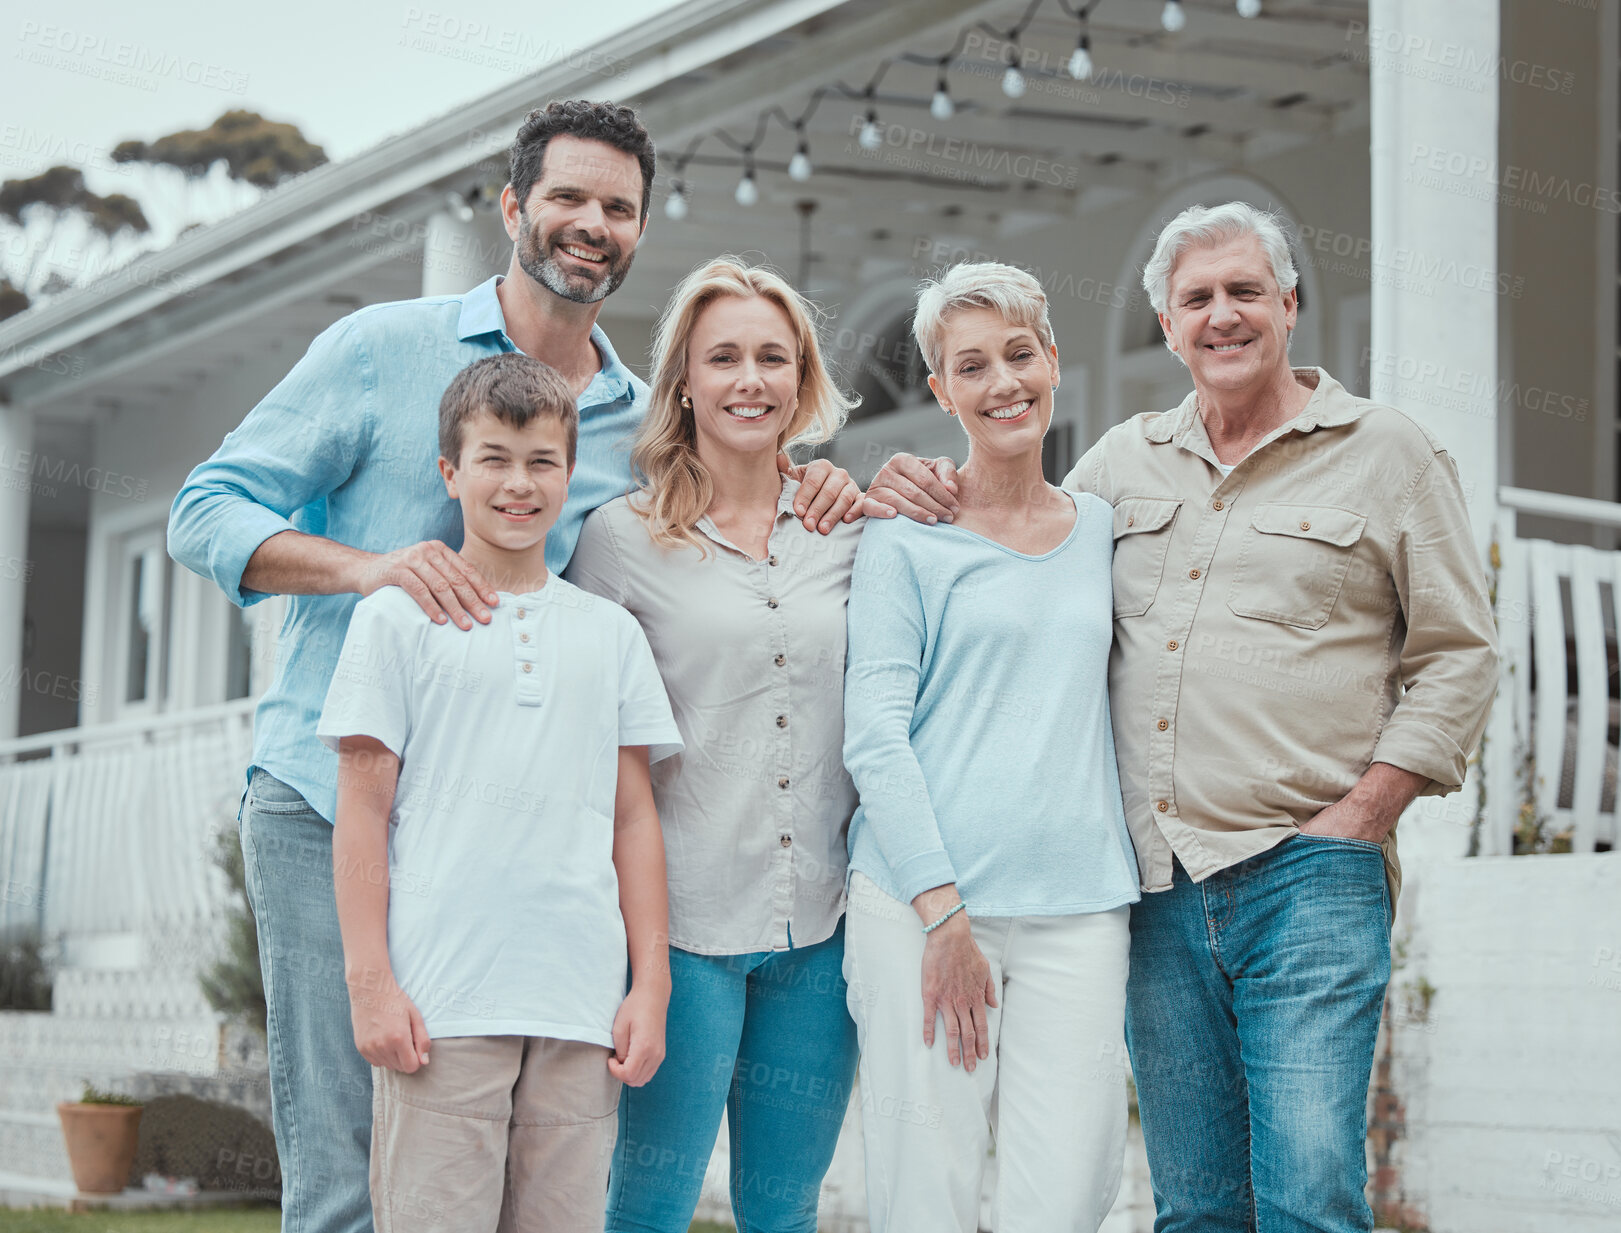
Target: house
[(1452, 172)]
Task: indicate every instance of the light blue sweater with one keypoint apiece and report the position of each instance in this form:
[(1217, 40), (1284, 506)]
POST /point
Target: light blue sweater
[(976, 719)]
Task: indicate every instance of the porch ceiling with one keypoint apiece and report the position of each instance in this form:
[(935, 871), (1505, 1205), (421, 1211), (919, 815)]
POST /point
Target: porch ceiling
[(1159, 107)]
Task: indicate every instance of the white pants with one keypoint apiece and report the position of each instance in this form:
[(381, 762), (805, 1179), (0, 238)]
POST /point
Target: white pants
[(1052, 1091)]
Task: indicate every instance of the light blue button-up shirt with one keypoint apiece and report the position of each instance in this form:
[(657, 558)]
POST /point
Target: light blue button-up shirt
[(346, 447)]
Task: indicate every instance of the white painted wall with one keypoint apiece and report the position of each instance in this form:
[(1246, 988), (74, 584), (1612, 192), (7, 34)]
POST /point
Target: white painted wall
[(1510, 1084)]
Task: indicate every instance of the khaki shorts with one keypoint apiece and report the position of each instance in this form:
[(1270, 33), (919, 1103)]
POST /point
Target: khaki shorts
[(508, 1133)]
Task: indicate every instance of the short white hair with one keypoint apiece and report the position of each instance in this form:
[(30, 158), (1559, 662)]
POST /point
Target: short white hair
[(1004, 289), (1203, 226)]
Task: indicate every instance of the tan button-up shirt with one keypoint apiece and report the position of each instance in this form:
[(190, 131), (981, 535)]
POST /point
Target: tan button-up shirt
[(1320, 609), (756, 810)]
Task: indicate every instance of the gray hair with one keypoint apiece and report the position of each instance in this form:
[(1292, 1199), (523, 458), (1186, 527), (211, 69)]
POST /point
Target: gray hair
[(1207, 225), (1004, 289)]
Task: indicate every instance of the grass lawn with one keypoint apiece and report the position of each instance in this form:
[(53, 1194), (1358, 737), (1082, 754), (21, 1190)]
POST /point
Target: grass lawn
[(262, 1219), (215, 1220)]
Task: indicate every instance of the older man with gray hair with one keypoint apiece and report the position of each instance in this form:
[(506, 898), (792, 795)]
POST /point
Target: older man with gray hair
[(1303, 645)]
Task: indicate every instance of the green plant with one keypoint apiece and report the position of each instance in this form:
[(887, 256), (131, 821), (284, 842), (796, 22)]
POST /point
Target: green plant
[(94, 1095), (1533, 831), (1478, 822), (234, 984), (25, 980)]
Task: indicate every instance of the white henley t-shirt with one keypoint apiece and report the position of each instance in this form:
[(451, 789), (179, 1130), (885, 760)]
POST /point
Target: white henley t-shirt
[(503, 910)]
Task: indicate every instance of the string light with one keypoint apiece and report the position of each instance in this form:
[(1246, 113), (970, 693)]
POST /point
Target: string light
[(1080, 60), (1172, 17), (872, 136), (747, 191), (1249, 8), (1013, 79), (675, 205), (942, 106)]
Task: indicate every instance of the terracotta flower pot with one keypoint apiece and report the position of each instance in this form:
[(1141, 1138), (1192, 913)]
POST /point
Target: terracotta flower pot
[(101, 1143)]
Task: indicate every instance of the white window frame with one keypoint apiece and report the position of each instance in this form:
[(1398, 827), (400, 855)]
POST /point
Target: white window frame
[(144, 543)]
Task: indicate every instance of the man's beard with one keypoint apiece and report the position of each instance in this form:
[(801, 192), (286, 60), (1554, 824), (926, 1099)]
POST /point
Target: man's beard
[(576, 286)]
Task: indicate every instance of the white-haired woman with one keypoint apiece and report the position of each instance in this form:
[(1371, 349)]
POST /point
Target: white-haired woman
[(990, 866), (745, 612)]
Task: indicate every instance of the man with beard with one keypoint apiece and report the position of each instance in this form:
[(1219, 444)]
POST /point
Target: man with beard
[(330, 490)]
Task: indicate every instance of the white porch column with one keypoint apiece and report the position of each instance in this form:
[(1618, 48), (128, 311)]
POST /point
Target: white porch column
[(459, 253), (16, 484), (1434, 120), (1434, 87)]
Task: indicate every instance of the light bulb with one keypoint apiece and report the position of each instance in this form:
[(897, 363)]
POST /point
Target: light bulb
[(1173, 18), (1013, 82), (747, 193), (940, 106), (675, 206), (872, 136), (1080, 63), (1249, 8), (799, 166)]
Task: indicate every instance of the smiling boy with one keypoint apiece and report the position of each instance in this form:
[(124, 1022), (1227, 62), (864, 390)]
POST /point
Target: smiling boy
[(497, 849)]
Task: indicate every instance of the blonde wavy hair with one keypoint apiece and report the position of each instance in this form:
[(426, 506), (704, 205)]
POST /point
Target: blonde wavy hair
[(675, 486)]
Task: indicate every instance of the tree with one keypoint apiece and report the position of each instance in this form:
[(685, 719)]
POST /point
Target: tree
[(185, 179), (56, 207), (258, 151)]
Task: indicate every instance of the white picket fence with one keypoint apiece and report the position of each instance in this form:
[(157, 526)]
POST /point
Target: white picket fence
[(112, 829), (1551, 742)]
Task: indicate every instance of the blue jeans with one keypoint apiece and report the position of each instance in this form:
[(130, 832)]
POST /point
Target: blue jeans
[(1252, 1009), (767, 1038), (320, 1086)]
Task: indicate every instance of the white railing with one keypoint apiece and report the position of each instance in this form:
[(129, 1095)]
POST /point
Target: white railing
[(1551, 756), (110, 828)]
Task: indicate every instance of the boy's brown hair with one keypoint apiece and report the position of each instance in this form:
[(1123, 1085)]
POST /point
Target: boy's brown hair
[(514, 388)]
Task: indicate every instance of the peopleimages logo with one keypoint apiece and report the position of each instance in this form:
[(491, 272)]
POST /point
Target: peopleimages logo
[(61, 47), (1538, 187)]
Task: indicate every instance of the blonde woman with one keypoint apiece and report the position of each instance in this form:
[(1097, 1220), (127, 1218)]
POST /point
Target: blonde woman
[(745, 612)]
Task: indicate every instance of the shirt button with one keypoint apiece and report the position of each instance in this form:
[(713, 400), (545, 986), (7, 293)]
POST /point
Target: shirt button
[(521, 614), (780, 660), (523, 637), (1171, 645), (1305, 526), (1164, 724), (529, 667), (770, 603), (782, 721), (1163, 806), (1131, 521), (783, 782), (1215, 504), (1193, 573), (772, 559), (787, 841)]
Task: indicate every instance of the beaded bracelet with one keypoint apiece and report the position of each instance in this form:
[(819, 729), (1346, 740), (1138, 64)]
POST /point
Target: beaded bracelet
[(931, 928)]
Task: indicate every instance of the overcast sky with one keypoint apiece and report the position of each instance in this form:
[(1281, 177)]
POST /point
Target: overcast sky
[(77, 79)]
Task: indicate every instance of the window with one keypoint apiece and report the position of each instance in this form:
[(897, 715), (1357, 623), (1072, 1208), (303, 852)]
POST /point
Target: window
[(238, 652), (142, 631), (1058, 450)]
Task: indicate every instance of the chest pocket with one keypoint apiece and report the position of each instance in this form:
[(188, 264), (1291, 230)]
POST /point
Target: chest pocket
[(1292, 565), (1142, 533)]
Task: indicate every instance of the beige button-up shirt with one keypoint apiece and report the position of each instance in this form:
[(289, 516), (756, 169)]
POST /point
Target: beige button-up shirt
[(756, 810), (1320, 609)]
